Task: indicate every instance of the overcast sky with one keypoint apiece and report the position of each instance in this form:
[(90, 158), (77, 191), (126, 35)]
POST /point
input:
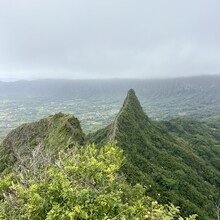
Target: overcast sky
[(108, 38)]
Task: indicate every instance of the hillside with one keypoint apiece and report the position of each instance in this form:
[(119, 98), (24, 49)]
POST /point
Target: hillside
[(49, 134), (177, 160), (202, 136), (156, 158)]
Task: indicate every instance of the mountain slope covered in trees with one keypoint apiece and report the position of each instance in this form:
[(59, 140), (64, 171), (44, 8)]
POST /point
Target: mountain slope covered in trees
[(49, 133), (157, 158), (176, 161), (201, 136)]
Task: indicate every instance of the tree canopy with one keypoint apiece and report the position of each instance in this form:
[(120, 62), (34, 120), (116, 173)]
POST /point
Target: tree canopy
[(81, 183)]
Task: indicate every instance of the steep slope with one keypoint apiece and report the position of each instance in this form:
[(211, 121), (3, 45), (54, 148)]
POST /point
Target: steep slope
[(51, 134), (158, 159), (202, 136)]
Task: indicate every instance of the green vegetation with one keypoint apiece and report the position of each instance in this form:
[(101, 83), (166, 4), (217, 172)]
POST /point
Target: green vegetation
[(170, 164), (84, 183), (200, 136), (51, 133), (49, 172)]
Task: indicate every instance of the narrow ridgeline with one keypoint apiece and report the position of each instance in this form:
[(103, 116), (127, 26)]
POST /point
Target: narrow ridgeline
[(166, 166)]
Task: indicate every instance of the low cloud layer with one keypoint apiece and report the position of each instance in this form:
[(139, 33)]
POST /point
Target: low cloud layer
[(108, 39)]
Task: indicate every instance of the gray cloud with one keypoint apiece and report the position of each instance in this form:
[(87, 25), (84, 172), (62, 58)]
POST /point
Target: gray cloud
[(117, 38)]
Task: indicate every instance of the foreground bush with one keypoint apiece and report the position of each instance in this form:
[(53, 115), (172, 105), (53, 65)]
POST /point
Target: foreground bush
[(82, 183)]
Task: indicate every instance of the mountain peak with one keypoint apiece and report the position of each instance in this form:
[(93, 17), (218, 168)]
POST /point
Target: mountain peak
[(131, 95), (131, 98), (131, 92), (132, 106), (130, 114)]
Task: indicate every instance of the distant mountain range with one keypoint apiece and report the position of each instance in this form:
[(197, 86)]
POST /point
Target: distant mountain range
[(177, 160), (83, 88)]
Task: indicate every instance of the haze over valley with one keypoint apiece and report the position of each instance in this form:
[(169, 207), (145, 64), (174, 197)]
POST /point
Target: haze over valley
[(96, 102)]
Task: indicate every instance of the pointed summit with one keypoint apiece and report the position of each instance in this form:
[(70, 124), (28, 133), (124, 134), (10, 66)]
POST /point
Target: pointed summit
[(131, 94), (131, 98), (131, 115), (130, 120), (132, 107)]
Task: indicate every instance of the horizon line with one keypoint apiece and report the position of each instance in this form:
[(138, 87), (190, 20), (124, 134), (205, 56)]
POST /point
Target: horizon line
[(109, 78)]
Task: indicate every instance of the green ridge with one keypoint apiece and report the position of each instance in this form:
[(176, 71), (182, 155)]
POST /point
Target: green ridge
[(165, 164), (177, 160), (52, 133)]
